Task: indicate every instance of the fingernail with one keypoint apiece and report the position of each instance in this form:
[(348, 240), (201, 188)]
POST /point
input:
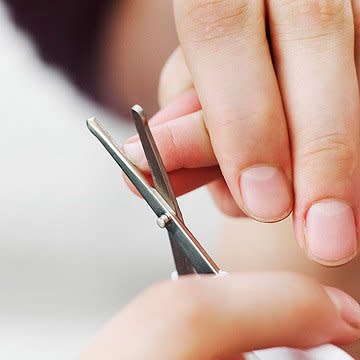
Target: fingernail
[(348, 307), (135, 153), (330, 232), (265, 193)]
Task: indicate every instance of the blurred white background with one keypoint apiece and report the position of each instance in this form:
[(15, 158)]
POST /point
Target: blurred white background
[(75, 244)]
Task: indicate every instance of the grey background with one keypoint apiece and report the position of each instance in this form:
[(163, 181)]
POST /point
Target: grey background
[(75, 245)]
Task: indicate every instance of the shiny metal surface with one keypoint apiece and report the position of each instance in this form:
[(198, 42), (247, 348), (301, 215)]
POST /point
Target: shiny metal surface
[(195, 254), (157, 204), (251, 356), (189, 255), (162, 220), (161, 182), (198, 257), (156, 165)]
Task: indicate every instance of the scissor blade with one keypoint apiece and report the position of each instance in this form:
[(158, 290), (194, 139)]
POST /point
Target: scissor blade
[(158, 172), (134, 175), (182, 264), (195, 253), (161, 182)]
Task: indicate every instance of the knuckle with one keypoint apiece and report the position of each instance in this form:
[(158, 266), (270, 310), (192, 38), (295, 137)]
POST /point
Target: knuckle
[(320, 11), (330, 148), (313, 19), (177, 151), (260, 124), (207, 20), (264, 110)]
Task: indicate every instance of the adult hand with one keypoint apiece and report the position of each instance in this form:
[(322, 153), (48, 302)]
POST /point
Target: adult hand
[(221, 318), (260, 97)]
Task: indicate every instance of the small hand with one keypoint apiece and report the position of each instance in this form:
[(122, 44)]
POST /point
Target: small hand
[(221, 318)]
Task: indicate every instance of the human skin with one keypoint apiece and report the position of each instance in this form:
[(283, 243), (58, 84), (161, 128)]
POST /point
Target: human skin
[(137, 38), (221, 318), (328, 155), (300, 91), (244, 245)]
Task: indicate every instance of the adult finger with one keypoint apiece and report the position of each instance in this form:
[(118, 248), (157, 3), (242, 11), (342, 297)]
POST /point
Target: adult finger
[(182, 143), (186, 150), (218, 317), (174, 79), (223, 199), (225, 47), (314, 51), (356, 14), (185, 180)]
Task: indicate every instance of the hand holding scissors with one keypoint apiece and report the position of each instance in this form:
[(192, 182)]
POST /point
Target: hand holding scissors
[(216, 317)]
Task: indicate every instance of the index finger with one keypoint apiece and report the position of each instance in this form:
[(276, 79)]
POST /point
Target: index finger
[(226, 49)]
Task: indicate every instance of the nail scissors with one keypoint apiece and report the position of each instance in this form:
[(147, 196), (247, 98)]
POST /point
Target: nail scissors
[(189, 256)]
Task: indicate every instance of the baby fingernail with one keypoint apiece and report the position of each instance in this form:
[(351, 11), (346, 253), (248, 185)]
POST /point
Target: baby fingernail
[(265, 193), (348, 307), (135, 153), (330, 232)]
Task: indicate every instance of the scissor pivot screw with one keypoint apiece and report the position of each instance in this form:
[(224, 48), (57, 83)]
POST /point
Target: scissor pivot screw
[(162, 220)]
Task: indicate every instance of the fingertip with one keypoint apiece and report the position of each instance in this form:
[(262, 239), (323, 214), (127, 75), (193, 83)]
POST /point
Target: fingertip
[(347, 329), (348, 307), (135, 153), (330, 232), (265, 193)]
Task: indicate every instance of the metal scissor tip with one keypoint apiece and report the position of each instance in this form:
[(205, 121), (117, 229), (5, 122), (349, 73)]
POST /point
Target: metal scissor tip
[(138, 112), (189, 255)]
